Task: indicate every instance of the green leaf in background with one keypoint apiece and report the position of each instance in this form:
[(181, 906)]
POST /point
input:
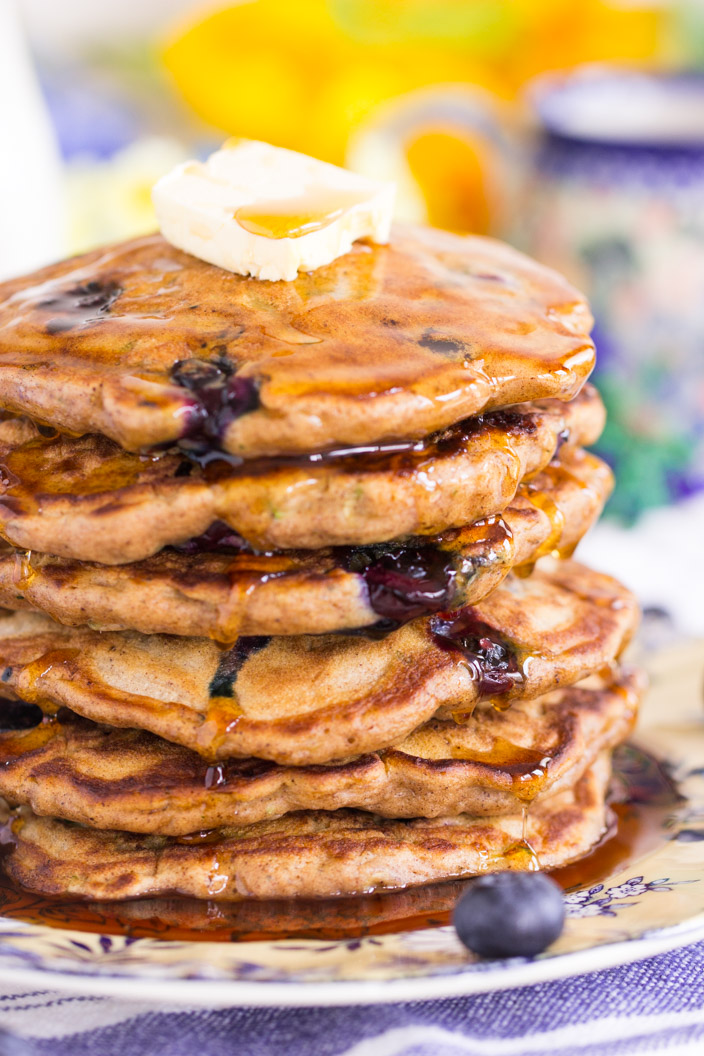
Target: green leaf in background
[(645, 465)]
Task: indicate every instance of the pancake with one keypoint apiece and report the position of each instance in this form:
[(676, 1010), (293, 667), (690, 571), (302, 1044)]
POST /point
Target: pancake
[(312, 699), (309, 854), (223, 595), (148, 345), (495, 763), (85, 498)]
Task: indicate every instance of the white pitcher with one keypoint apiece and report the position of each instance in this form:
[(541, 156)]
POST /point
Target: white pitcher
[(32, 219)]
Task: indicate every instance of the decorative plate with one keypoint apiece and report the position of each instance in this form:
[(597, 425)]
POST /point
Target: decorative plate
[(650, 900)]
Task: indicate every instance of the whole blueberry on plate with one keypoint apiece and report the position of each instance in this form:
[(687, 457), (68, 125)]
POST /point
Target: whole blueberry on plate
[(511, 914)]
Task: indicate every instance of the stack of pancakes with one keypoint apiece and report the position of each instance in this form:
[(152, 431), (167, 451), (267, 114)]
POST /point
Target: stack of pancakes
[(288, 603)]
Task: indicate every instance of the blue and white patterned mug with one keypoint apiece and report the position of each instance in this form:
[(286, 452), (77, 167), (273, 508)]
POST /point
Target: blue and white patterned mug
[(608, 187), (615, 198)]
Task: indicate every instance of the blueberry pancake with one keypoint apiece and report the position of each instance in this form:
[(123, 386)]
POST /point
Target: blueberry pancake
[(312, 699), (288, 603), (309, 854), (495, 763), (85, 498), (149, 345), (196, 590)]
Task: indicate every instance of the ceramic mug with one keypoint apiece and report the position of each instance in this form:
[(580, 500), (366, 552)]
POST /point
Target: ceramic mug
[(606, 183)]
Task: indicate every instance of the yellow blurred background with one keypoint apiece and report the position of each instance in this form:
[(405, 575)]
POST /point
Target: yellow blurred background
[(312, 74)]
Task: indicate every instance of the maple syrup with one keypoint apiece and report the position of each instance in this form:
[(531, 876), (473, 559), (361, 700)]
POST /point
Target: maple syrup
[(34, 673), (25, 573), (544, 501), (79, 305), (521, 856), (312, 210)]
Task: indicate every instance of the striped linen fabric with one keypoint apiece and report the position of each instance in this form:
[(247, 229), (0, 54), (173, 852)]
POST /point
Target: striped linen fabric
[(654, 1006)]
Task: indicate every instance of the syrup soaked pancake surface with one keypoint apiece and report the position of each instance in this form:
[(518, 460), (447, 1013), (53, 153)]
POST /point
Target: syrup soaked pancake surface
[(308, 854), (386, 342), (311, 699), (86, 498), (495, 763), (224, 595)]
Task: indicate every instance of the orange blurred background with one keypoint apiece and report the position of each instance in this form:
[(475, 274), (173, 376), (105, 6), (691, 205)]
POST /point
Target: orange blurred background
[(312, 75)]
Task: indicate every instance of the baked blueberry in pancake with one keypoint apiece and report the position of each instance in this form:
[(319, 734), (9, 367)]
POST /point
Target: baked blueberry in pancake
[(149, 345), (309, 854), (224, 589), (311, 699), (495, 763), (85, 498)]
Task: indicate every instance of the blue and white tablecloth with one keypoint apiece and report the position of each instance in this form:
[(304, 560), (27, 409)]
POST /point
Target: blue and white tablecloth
[(655, 1006)]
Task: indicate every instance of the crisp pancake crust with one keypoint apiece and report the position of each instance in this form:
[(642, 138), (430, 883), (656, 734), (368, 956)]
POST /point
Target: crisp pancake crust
[(310, 854), (495, 763), (385, 342), (311, 699), (87, 499), (308, 592)]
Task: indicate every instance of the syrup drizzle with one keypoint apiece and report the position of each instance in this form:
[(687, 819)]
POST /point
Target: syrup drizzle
[(396, 456), (36, 671), (80, 305), (312, 210), (25, 573)]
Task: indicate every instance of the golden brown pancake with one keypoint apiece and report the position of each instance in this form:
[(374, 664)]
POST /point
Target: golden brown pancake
[(313, 854), (221, 595), (311, 699), (495, 763), (87, 499), (386, 342)]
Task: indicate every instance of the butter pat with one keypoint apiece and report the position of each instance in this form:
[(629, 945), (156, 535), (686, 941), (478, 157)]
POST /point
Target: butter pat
[(267, 212)]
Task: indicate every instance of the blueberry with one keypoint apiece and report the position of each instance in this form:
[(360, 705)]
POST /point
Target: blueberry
[(510, 914)]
